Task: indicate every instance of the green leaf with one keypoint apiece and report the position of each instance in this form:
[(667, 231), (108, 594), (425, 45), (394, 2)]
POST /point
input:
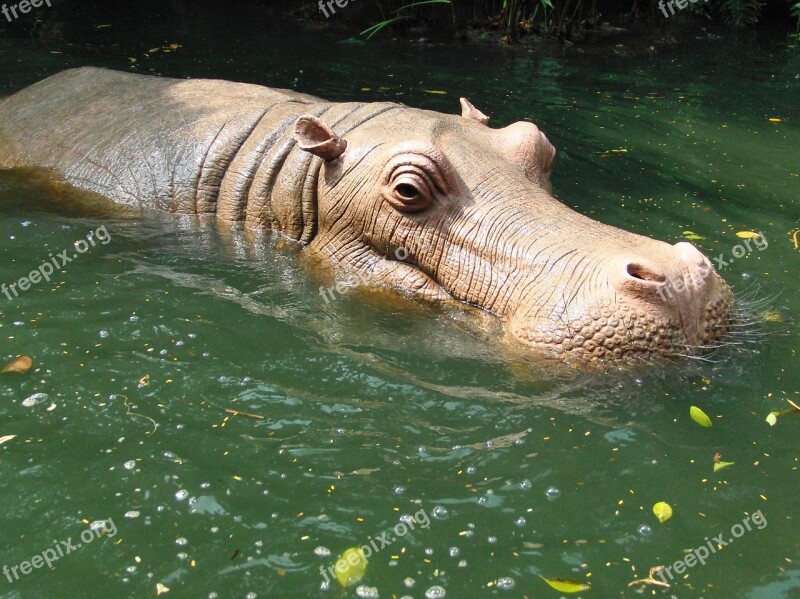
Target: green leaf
[(699, 416), (692, 236), (566, 586), (722, 465), (351, 566), (663, 511)]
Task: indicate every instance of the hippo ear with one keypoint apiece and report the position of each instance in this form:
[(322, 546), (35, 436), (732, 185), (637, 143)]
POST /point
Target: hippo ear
[(468, 111), (314, 136)]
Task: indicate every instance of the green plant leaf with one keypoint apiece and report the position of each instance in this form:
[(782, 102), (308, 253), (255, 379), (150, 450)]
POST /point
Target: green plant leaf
[(722, 465), (566, 586), (351, 566), (700, 417), (663, 511), (692, 236)]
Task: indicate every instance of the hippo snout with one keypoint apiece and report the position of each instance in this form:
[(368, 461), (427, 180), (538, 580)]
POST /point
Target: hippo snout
[(659, 300)]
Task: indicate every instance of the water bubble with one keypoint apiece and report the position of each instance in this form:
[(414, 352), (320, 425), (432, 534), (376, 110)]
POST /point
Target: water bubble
[(552, 492), (181, 541), (525, 484), (435, 592), (322, 551), (428, 551), (182, 494), (131, 569), (407, 519), (183, 555), (505, 583), (205, 485), (366, 592), (129, 465), (409, 582), (399, 490), (462, 563), (132, 514), (440, 512), (521, 521), (645, 530), (471, 469), (103, 334), (454, 551), (492, 539), (251, 595)]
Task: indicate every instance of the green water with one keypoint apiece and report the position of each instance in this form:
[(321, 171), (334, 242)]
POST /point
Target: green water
[(370, 413)]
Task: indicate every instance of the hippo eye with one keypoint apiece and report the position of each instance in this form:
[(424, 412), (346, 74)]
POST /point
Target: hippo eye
[(409, 190)]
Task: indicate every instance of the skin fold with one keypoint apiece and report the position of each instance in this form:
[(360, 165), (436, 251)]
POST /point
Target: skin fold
[(439, 207)]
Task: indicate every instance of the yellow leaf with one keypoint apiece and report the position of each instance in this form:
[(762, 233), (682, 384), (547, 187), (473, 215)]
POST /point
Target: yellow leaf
[(566, 586), (153, 50), (772, 316), (6, 438), (351, 566), (663, 511), (772, 419), (20, 364), (174, 46), (699, 416), (774, 120), (747, 234), (161, 589), (721, 465), (438, 92)]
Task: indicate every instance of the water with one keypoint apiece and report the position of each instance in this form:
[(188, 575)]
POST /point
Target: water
[(241, 433)]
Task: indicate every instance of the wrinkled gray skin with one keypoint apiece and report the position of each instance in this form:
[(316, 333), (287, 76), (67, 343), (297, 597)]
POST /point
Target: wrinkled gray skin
[(468, 208)]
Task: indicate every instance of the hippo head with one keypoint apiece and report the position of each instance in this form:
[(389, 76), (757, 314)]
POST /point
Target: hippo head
[(445, 207)]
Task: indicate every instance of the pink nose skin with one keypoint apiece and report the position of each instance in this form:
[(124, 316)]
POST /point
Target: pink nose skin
[(681, 268)]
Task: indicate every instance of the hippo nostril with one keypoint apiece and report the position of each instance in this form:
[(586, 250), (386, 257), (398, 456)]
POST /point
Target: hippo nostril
[(645, 272)]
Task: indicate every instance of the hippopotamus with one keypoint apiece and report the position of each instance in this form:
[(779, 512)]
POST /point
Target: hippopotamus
[(439, 207)]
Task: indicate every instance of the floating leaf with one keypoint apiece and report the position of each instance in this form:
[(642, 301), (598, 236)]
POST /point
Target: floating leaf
[(104, 26), (6, 438), (772, 418), (566, 586), (772, 316), (699, 416), (774, 120), (747, 235), (161, 589), (19, 364), (722, 465), (153, 50), (438, 92), (692, 236), (663, 511), (351, 566)]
